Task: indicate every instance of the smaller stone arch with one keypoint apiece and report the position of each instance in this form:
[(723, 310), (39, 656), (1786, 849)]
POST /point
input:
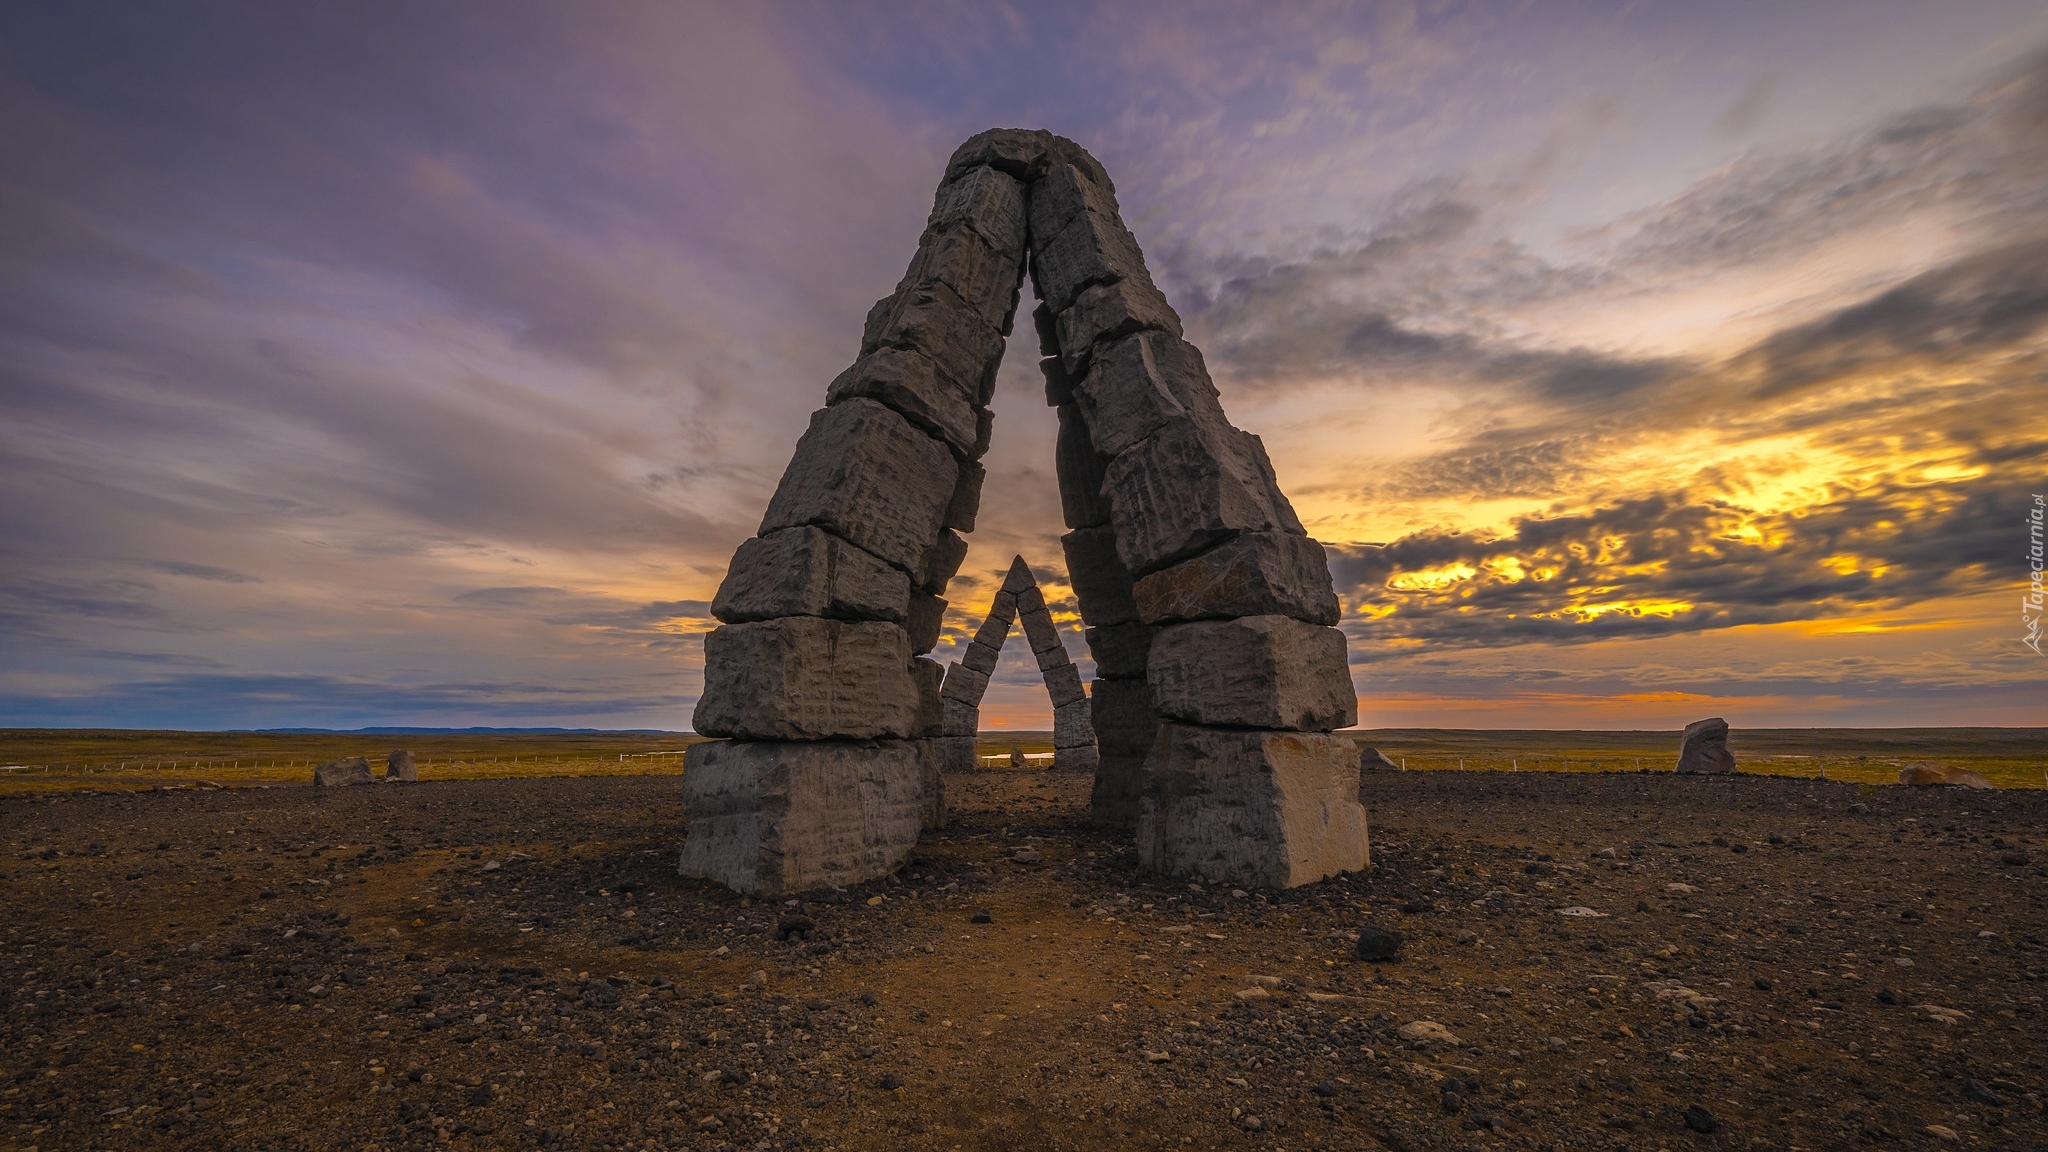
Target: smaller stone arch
[(1018, 601)]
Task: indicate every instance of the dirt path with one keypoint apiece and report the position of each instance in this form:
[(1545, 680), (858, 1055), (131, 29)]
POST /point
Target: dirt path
[(514, 964)]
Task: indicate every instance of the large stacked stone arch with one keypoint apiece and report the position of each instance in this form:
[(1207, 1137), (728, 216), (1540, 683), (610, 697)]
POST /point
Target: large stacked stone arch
[(1208, 610), (1020, 602)]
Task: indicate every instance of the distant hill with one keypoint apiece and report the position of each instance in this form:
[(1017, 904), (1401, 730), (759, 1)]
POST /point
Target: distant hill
[(391, 730)]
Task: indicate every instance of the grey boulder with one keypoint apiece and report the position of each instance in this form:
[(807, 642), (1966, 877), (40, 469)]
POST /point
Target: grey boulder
[(1704, 748), (344, 772)]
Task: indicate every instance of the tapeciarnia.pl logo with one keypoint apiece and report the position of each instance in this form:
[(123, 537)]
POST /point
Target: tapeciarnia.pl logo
[(2031, 607)]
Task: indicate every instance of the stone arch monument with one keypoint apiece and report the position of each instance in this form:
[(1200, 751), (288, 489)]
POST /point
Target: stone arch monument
[(1208, 609), (1018, 601)]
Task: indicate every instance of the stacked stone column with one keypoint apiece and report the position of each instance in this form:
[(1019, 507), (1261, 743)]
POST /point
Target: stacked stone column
[(1018, 601), (1220, 678), (817, 677)]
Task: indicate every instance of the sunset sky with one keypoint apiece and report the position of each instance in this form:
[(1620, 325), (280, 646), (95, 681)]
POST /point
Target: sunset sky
[(424, 363)]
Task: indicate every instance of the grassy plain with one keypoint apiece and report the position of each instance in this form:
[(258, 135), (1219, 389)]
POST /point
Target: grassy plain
[(71, 759)]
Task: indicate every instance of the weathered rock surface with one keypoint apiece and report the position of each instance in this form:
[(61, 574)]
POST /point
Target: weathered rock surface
[(966, 502), (931, 775), (1253, 672), (1120, 649), (1100, 581), (958, 257), (909, 385), (942, 561), (948, 330), (965, 685), (957, 753), (1039, 630), (1002, 613), (1072, 725), (930, 678), (864, 474), (980, 657), (1125, 724), (1189, 487), (1255, 574), (986, 200), (1090, 249), (958, 718), (1142, 383), (1062, 193), (1374, 760), (927, 617), (1063, 684), (343, 772), (769, 818), (1925, 775), (1113, 797), (401, 767), (1276, 809), (1108, 312), (1704, 748), (807, 571), (1080, 471), (807, 678)]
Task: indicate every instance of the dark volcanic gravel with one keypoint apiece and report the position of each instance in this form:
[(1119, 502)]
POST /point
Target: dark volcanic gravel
[(1619, 961)]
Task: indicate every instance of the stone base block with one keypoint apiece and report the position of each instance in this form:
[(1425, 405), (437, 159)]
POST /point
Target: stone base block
[(804, 678), (958, 718), (864, 474), (1268, 809), (1119, 783), (773, 818), (957, 754), (1080, 758), (806, 571), (401, 767), (1073, 726)]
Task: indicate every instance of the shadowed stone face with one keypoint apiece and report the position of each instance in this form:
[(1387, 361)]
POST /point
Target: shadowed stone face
[(1704, 748)]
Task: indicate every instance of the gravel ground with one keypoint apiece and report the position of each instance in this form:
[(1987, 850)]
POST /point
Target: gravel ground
[(1771, 963)]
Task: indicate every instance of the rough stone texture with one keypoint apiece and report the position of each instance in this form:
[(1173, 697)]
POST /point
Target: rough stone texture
[(1189, 487), (1063, 684), (1047, 327), (910, 385), (965, 684), (1030, 600), (1704, 748), (1255, 574), (1113, 801), (1059, 385), (1076, 758), (1091, 249), (1080, 472), (930, 677), (1095, 569), (941, 561), (989, 202), (1374, 760), (1276, 809), (926, 618), (1024, 153), (1073, 725), (958, 718), (864, 474), (776, 818), (980, 657), (1142, 383), (344, 772), (934, 320), (807, 571), (1125, 724), (1926, 775), (1120, 650), (1108, 312), (1002, 612), (931, 776), (401, 767), (1019, 580), (1039, 630), (1253, 672), (957, 754), (1063, 193), (981, 276), (806, 678), (966, 502)]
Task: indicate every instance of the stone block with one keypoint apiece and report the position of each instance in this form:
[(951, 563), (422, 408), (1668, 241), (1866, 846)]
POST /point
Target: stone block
[(910, 385), (966, 502), (1024, 153), (956, 256), (1187, 488), (1704, 748), (985, 421), (1002, 613), (1113, 802), (1059, 384), (401, 767), (1018, 580), (958, 717), (1142, 383), (1076, 758), (1046, 325), (1120, 649), (927, 617), (941, 561), (1106, 312), (1254, 574), (1063, 193), (807, 678), (1039, 629), (1253, 672), (1101, 582), (1029, 601), (1254, 809), (929, 676), (1125, 724), (986, 200), (1063, 684), (965, 684), (863, 473), (932, 776), (980, 657), (949, 331), (1091, 249), (1073, 724), (777, 818), (343, 773), (807, 571), (1080, 471), (958, 754)]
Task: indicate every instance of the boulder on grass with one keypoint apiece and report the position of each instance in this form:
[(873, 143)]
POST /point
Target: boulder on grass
[(1703, 750), (1925, 775), (1374, 760), (402, 767), (340, 773)]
